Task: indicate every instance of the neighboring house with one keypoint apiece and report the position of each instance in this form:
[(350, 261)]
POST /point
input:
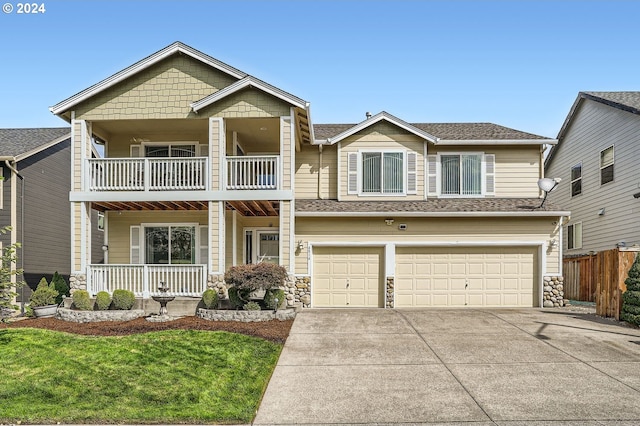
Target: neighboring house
[(35, 165), (598, 158), (207, 167)]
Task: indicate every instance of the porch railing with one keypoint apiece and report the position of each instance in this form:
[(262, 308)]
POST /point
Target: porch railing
[(143, 280), (147, 174), (252, 172)]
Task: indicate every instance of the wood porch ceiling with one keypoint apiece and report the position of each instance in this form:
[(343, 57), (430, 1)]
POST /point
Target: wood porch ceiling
[(245, 207)]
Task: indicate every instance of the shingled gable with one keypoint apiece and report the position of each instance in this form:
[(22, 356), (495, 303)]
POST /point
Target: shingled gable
[(23, 143), (141, 65), (625, 101)]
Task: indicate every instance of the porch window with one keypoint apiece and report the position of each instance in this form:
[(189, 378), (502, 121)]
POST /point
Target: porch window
[(382, 172), (170, 245), (173, 151), (576, 179), (606, 165), (461, 174)]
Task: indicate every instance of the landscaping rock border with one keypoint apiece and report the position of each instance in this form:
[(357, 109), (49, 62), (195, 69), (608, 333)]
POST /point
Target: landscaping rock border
[(246, 316), (73, 315)]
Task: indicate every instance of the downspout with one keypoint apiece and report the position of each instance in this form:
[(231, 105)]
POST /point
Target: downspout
[(17, 173), (320, 172)]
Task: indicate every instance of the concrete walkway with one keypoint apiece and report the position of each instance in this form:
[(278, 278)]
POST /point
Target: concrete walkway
[(456, 367)]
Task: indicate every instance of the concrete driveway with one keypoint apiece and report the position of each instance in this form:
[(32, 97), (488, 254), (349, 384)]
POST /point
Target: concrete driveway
[(467, 367)]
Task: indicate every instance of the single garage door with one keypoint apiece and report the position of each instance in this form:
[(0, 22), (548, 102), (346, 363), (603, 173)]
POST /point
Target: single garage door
[(347, 276), (466, 276)]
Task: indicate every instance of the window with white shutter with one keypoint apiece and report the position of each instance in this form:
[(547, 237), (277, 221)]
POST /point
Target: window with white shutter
[(134, 245), (352, 173), (412, 184), (490, 174)]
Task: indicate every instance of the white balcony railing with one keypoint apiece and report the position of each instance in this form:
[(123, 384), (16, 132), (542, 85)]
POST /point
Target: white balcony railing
[(252, 172), (147, 174), (143, 280)]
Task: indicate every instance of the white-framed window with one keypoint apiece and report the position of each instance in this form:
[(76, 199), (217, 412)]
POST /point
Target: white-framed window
[(606, 165), (576, 179), (168, 244), (262, 245), (461, 174), (574, 236), (169, 150), (381, 172)]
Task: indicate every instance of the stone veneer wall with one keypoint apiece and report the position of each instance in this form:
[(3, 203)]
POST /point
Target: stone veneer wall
[(553, 292), (389, 292), (77, 282)]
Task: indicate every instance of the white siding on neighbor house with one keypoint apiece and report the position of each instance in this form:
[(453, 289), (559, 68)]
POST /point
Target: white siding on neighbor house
[(596, 127)]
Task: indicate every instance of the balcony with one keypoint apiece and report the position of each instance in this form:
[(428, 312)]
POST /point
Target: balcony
[(180, 174)]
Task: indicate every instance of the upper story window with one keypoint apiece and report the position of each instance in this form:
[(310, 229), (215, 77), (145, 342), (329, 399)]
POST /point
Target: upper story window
[(606, 165), (461, 174), (576, 179), (574, 236), (381, 172), (169, 150)]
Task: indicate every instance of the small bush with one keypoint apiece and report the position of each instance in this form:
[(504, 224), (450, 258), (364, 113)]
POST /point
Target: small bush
[(252, 306), (82, 300), (123, 300), (270, 299), (103, 301), (45, 294), (210, 299), (258, 276), (61, 286), (237, 298)]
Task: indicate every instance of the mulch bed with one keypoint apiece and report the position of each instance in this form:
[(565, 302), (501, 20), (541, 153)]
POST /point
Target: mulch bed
[(275, 331)]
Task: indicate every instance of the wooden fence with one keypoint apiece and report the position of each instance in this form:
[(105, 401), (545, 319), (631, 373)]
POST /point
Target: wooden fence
[(599, 278)]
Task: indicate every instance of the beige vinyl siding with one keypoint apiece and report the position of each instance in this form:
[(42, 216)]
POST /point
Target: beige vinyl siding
[(285, 233), (382, 136), (596, 127), (164, 90), (517, 168), (424, 230), (120, 224), (247, 103), (119, 145), (313, 181), (214, 138), (228, 245)]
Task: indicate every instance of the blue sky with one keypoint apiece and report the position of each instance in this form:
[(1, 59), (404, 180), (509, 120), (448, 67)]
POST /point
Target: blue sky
[(520, 64)]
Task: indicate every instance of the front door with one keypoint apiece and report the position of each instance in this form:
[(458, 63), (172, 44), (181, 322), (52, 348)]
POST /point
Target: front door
[(262, 246)]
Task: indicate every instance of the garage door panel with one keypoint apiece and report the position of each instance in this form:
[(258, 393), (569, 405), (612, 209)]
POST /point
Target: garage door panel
[(346, 276), (466, 276)]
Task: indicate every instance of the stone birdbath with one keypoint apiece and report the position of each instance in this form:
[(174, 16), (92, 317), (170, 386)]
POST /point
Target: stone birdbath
[(163, 298)]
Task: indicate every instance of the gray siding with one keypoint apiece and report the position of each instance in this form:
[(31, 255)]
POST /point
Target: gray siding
[(5, 206), (595, 127), (47, 228)]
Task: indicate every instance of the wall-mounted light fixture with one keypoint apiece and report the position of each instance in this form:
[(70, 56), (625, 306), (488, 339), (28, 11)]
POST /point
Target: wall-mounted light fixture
[(553, 242), (105, 247), (300, 245), (389, 222)]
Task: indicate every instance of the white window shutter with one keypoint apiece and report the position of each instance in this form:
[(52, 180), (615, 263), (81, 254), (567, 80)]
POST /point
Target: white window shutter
[(136, 151), (490, 174), (412, 184), (352, 173), (204, 150), (204, 244), (134, 244), (432, 175)]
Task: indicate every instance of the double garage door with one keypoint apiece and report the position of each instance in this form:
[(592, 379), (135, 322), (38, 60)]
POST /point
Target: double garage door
[(426, 276)]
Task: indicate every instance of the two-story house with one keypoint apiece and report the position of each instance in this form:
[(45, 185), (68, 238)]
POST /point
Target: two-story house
[(598, 157), (207, 167)]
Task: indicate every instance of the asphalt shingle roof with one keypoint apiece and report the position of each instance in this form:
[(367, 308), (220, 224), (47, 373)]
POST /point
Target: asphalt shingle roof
[(628, 101), (14, 142), (439, 205), (447, 131)]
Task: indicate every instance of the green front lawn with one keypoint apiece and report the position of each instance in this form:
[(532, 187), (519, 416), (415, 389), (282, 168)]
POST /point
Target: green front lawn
[(160, 377)]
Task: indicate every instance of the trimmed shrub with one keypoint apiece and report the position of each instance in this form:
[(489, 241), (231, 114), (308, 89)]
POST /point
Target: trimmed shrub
[(631, 298), (252, 306), (257, 276), (270, 299), (82, 300), (61, 286), (237, 298), (123, 300), (210, 299), (45, 294), (103, 301)]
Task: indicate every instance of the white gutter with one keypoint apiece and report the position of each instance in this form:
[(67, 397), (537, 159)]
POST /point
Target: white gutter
[(524, 213)]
